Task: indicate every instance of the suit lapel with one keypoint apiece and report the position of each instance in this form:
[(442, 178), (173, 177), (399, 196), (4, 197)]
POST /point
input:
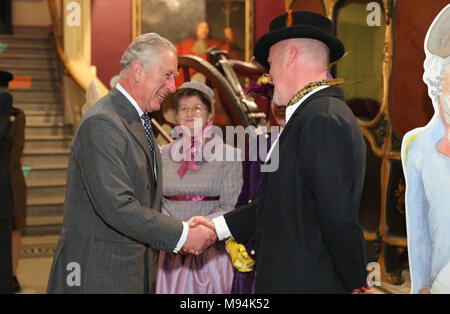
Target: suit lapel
[(132, 122)]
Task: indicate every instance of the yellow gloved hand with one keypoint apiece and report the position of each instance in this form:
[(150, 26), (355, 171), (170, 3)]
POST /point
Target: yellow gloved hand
[(239, 256)]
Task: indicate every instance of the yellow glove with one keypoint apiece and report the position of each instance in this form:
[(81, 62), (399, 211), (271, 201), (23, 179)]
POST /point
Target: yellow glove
[(239, 256)]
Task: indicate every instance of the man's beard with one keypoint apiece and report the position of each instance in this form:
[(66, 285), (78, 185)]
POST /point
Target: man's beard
[(276, 99)]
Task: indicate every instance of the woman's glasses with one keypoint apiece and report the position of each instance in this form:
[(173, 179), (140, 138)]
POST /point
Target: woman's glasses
[(194, 110)]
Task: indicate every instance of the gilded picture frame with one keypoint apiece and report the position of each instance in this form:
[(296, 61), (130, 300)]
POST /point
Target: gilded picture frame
[(176, 20)]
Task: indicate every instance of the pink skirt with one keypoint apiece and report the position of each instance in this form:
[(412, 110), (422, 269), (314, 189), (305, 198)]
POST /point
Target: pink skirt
[(208, 273)]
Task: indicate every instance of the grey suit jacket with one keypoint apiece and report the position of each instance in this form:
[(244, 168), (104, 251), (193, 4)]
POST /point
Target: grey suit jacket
[(112, 225)]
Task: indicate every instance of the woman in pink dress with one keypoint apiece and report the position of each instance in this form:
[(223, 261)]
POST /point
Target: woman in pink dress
[(197, 181)]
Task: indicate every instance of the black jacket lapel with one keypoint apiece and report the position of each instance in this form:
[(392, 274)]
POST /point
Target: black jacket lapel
[(331, 91)]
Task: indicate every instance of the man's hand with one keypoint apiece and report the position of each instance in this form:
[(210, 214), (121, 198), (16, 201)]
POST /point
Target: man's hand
[(199, 237), (362, 290), (200, 220)]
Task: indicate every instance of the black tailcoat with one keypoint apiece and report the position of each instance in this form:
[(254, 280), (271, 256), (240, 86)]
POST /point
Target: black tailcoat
[(306, 217)]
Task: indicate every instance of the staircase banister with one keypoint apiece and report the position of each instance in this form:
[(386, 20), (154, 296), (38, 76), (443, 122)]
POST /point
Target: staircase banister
[(80, 72)]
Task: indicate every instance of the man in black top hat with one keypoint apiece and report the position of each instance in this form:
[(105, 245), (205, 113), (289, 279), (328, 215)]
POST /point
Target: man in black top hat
[(6, 199), (5, 17), (306, 217)]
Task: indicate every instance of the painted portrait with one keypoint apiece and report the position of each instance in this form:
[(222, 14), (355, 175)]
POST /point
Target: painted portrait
[(196, 25)]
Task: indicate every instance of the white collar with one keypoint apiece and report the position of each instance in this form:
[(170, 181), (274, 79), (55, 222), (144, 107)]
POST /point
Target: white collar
[(289, 112), (291, 109), (131, 99)]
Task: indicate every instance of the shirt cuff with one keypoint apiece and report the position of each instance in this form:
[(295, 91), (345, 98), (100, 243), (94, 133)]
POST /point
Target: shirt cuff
[(222, 230), (182, 238)]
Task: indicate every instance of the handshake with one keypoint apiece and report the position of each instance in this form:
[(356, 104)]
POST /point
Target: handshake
[(201, 235)]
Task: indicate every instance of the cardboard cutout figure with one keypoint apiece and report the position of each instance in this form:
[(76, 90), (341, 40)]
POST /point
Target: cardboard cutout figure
[(426, 165)]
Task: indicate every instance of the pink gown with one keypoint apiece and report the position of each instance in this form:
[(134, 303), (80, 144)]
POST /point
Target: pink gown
[(212, 271)]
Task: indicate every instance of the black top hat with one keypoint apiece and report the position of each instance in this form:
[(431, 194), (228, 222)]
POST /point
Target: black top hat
[(304, 25), (5, 78)]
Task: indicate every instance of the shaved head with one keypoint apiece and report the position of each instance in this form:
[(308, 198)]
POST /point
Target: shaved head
[(312, 51), (306, 60)]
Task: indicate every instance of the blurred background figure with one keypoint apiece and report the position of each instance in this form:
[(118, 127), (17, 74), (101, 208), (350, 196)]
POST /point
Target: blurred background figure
[(18, 186), (92, 96), (114, 80), (5, 17), (6, 198), (199, 46)]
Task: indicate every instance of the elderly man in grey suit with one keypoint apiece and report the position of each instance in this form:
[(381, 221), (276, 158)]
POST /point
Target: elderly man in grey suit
[(112, 225)]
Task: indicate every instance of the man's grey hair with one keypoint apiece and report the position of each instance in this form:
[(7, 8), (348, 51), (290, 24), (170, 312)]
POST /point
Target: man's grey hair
[(146, 48)]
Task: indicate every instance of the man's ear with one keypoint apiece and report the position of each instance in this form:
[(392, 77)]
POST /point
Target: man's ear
[(137, 71), (291, 55)]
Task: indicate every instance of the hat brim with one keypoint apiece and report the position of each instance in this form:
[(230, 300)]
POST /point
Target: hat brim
[(262, 46), (168, 109), (168, 106)]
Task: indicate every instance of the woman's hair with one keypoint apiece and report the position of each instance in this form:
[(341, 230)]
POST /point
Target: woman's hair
[(189, 93), (145, 48)]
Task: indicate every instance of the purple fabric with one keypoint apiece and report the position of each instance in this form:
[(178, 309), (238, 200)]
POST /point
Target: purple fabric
[(252, 175), (209, 273), (244, 283)]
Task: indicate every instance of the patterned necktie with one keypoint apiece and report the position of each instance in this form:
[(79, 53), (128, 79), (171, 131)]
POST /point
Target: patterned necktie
[(148, 133)]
